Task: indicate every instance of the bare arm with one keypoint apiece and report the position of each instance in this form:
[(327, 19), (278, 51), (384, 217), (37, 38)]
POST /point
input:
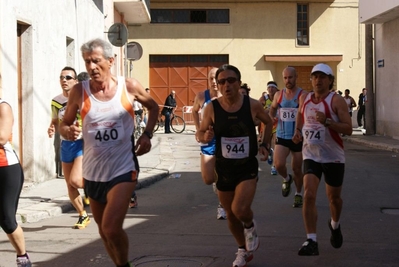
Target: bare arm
[(6, 122), (259, 113), (274, 106), (205, 133), (299, 121), (199, 98), (340, 107), (67, 129), (344, 125)]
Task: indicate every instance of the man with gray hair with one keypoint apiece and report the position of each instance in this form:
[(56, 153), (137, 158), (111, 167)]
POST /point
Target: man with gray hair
[(110, 166)]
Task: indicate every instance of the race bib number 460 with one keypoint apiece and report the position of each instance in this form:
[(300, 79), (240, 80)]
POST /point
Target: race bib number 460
[(106, 133), (235, 147)]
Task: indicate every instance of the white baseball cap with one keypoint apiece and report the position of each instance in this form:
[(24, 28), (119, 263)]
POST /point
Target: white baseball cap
[(322, 68)]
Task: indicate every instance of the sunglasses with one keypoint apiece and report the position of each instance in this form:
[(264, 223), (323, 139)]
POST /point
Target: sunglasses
[(67, 77), (229, 80)]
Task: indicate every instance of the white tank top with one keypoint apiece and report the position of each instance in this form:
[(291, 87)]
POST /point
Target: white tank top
[(320, 143), (107, 130)]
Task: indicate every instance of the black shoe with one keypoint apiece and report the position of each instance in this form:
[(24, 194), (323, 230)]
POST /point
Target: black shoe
[(336, 238), (309, 248), (286, 187)]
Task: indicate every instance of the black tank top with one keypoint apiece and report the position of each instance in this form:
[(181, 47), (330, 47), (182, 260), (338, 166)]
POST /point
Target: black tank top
[(236, 124)]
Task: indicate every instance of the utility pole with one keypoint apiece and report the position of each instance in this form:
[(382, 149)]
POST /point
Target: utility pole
[(370, 103)]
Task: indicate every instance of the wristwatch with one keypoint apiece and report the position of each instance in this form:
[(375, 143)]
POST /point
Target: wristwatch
[(147, 133), (327, 122)]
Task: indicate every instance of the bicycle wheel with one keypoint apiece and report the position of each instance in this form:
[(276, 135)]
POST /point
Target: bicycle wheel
[(178, 124), (156, 127)]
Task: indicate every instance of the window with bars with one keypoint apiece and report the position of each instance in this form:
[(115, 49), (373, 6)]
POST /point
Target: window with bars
[(302, 25), (190, 16)]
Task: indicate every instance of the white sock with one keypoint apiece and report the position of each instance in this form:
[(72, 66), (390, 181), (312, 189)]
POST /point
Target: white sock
[(298, 194), (286, 179), (312, 236), (334, 225)]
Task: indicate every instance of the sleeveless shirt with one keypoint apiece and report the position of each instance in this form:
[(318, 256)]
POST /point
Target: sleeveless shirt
[(320, 143), (7, 154), (235, 135), (107, 130), (58, 107), (287, 110)]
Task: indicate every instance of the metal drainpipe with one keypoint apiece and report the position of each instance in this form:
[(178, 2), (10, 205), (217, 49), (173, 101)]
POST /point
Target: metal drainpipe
[(370, 104)]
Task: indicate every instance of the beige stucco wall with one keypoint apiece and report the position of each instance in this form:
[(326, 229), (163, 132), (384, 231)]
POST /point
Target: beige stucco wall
[(258, 29), (386, 78), (45, 53)]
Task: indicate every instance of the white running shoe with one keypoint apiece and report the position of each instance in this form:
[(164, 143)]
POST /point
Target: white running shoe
[(243, 257), (273, 171), (23, 262), (251, 238), (221, 215)]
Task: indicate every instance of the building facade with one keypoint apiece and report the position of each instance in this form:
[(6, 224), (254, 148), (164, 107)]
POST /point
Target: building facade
[(384, 16), (37, 39), (261, 38)]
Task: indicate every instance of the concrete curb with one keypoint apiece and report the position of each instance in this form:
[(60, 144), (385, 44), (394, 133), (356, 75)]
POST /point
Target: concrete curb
[(30, 211), (377, 145)]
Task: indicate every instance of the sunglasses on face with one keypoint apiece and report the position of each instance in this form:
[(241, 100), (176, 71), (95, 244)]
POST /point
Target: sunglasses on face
[(229, 80), (67, 77)]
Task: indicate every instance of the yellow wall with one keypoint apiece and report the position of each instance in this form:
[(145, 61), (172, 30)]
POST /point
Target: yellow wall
[(258, 29)]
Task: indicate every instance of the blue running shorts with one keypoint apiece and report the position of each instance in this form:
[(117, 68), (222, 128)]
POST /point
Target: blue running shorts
[(70, 150)]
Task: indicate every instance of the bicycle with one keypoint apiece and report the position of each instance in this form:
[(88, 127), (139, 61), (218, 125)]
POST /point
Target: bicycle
[(177, 123)]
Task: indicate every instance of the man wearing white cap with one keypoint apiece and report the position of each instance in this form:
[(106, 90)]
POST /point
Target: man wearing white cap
[(322, 117), (286, 103)]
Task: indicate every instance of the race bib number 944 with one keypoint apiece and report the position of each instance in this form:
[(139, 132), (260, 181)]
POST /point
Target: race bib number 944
[(235, 147)]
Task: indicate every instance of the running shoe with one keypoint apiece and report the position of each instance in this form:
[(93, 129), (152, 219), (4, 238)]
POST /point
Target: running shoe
[(273, 171), (24, 261), (298, 201), (83, 221), (270, 157), (336, 238), (133, 202), (243, 257), (221, 215), (251, 238), (309, 248), (286, 186)]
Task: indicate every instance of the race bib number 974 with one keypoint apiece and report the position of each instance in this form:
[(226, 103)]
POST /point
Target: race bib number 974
[(235, 147)]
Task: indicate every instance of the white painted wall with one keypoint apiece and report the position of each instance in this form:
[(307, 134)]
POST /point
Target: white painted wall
[(371, 8), (45, 53)]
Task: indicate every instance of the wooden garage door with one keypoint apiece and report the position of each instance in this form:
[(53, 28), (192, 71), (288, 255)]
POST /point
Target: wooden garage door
[(185, 74), (303, 80)]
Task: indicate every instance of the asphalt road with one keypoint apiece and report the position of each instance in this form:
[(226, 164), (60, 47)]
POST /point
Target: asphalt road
[(175, 223)]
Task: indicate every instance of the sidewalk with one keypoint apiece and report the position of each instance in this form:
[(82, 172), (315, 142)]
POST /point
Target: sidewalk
[(50, 198)]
